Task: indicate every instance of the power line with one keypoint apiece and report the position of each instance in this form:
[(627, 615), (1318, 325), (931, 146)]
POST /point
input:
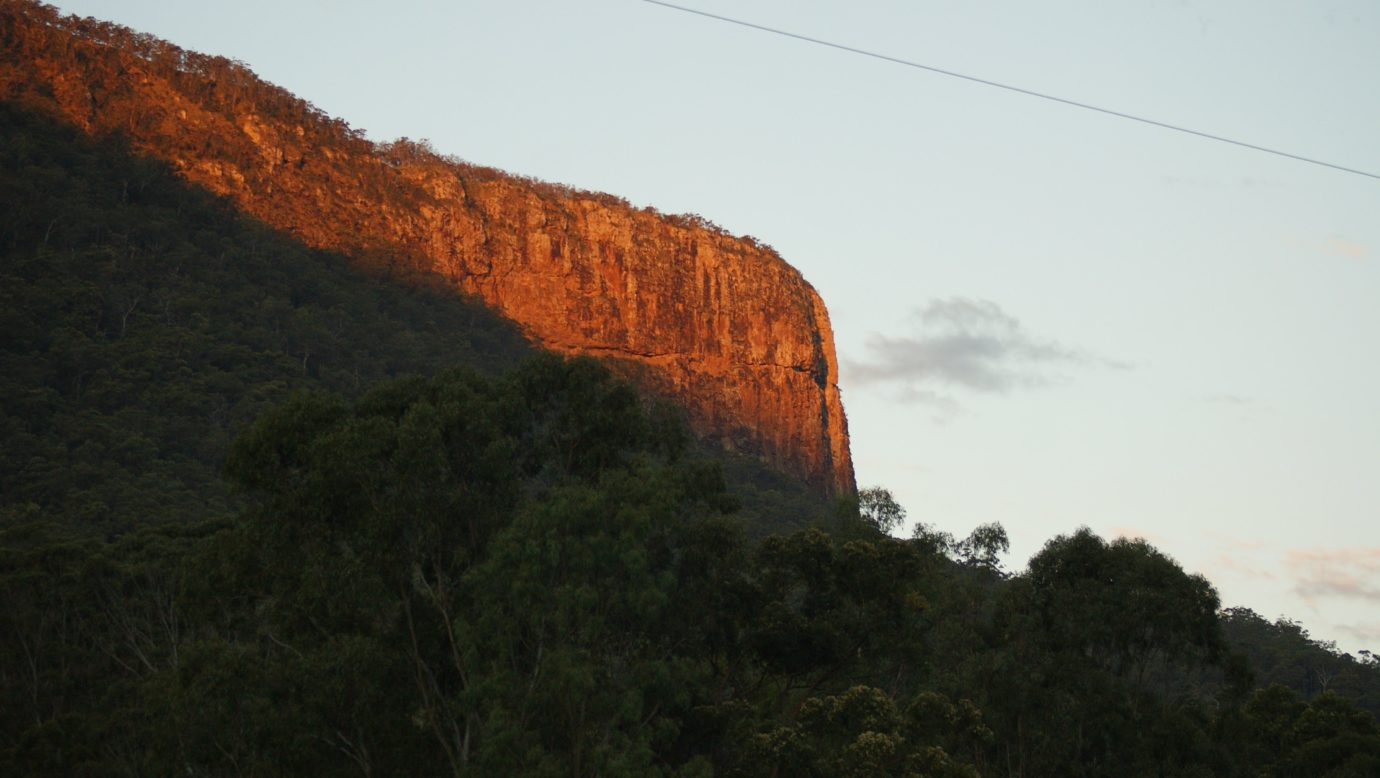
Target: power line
[(1010, 88)]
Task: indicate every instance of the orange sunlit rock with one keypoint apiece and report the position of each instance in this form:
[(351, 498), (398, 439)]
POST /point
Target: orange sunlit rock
[(721, 324)]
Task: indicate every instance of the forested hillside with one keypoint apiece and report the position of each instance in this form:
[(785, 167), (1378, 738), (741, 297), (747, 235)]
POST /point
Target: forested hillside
[(144, 320), (529, 575), (1283, 652)]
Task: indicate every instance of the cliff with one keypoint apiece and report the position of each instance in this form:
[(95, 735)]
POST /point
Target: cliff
[(720, 324)]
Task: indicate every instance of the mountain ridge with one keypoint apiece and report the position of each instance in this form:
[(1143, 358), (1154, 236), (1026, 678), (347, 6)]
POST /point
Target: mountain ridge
[(721, 324)]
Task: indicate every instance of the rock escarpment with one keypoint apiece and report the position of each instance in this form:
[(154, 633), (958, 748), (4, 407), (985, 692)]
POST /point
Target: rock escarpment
[(720, 324)]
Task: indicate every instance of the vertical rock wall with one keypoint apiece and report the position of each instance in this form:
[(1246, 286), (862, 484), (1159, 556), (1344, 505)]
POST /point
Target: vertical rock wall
[(720, 324)]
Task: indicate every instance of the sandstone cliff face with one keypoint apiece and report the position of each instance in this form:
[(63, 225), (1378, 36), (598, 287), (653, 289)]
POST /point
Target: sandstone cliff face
[(720, 324)]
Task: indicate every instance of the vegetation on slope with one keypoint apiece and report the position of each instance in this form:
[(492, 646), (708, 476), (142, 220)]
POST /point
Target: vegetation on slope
[(531, 575), (144, 321), (1283, 652)]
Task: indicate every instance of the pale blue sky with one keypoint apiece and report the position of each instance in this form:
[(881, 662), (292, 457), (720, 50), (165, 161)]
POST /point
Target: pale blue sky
[(1048, 317)]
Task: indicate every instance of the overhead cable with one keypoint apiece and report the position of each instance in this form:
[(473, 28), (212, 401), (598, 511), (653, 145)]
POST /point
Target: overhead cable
[(1010, 88)]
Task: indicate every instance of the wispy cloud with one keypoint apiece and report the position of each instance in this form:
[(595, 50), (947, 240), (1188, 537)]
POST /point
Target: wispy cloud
[(1235, 542), (1234, 564), (967, 345), (1227, 399), (945, 407), (1337, 246), (1351, 573), (1341, 247), (1366, 633), (1239, 557)]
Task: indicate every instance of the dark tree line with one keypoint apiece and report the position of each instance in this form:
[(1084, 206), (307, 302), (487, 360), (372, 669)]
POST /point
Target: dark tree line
[(535, 574)]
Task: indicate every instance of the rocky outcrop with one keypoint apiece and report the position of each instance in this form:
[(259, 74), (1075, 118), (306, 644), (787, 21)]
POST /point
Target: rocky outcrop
[(721, 324)]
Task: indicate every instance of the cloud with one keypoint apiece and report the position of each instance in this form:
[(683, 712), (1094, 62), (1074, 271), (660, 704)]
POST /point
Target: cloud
[(1352, 573), (1239, 557), (964, 344), (1332, 246), (1235, 542), (1227, 399), (1366, 633), (1341, 247), (1231, 563), (945, 407)]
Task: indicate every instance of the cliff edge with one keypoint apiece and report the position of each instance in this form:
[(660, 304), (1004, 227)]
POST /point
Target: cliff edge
[(718, 323)]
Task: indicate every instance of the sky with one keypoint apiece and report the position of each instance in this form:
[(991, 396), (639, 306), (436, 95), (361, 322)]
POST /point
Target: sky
[(1046, 317)]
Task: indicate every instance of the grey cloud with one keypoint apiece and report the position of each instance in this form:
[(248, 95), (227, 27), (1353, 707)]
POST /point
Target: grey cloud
[(965, 344), (945, 407)]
